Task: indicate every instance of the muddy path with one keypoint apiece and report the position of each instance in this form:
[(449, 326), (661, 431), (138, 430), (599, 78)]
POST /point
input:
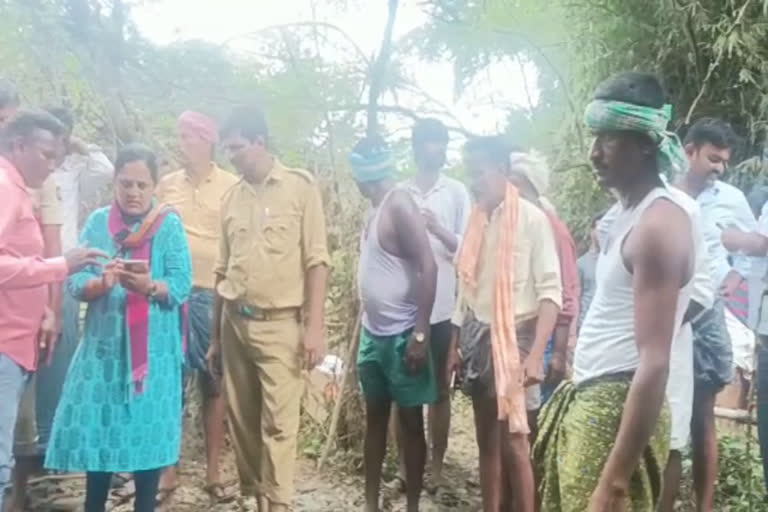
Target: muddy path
[(336, 488)]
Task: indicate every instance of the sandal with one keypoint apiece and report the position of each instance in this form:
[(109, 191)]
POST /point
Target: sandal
[(218, 493), (163, 495)]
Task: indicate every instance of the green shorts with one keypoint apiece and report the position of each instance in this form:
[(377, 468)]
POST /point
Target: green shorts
[(383, 375)]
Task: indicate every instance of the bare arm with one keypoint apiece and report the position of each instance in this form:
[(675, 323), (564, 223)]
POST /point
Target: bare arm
[(414, 245), (316, 285), (660, 255), (751, 244)]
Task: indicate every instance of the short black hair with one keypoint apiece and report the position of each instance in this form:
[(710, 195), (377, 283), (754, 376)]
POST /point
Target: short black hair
[(710, 130), (9, 94), (136, 152), (64, 115), (634, 87), (496, 148), (26, 123), (248, 122), (427, 130)]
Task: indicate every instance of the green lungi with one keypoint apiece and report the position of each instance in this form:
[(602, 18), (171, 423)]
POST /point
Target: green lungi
[(577, 431)]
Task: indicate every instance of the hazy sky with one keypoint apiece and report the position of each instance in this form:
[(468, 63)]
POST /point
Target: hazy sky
[(479, 109)]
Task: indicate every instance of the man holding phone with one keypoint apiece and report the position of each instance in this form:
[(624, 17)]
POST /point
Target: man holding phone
[(196, 191)]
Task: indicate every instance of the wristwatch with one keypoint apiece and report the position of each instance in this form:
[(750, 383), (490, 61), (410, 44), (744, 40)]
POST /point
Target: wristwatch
[(419, 337), (152, 290)]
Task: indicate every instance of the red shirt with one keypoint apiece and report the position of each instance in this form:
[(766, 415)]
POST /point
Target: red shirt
[(24, 274), (569, 269)]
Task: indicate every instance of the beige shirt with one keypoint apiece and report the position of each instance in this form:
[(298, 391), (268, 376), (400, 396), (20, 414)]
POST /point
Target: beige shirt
[(537, 268), (47, 203), (272, 233), (200, 207)]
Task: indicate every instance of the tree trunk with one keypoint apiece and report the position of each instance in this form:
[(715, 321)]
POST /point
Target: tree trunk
[(379, 71)]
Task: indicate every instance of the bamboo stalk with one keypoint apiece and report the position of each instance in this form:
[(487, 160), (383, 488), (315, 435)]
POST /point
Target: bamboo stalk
[(737, 415), (348, 362)]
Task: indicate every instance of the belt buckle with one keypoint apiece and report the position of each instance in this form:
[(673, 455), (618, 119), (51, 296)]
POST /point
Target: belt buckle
[(252, 312)]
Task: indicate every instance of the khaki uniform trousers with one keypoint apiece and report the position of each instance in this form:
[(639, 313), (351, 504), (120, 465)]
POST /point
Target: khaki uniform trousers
[(263, 383)]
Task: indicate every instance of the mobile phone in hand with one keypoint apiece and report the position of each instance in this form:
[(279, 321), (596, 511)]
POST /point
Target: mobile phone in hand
[(138, 266)]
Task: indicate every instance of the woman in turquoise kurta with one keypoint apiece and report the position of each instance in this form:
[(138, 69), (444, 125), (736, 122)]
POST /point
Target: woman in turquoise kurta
[(121, 408)]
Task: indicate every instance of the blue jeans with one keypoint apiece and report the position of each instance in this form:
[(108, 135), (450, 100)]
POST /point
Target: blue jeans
[(12, 380)]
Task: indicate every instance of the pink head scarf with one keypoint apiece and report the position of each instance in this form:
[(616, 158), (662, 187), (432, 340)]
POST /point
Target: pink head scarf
[(200, 124)]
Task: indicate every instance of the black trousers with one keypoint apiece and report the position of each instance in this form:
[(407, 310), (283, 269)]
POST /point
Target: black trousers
[(98, 484), (762, 402)]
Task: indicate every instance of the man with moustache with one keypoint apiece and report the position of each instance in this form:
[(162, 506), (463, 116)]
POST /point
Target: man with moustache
[(271, 279), (196, 192), (604, 436), (708, 145), (29, 151), (445, 205)]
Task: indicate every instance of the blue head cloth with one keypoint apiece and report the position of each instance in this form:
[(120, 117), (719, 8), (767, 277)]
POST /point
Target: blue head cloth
[(374, 165)]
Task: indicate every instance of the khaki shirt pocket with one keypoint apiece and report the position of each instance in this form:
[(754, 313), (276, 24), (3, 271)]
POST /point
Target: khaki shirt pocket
[(281, 233)]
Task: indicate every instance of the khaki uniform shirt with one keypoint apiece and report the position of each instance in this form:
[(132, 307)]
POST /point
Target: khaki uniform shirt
[(47, 204), (537, 268), (272, 233), (199, 207)]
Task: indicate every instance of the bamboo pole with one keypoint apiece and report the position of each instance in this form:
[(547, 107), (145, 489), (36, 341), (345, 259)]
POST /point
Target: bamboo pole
[(737, 415), (348, 362)]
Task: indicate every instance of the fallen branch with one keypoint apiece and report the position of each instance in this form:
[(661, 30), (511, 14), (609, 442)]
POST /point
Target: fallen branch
[(348, 362)]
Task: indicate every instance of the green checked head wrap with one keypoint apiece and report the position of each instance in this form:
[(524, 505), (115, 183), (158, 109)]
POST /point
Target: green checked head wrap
[(610, 115)]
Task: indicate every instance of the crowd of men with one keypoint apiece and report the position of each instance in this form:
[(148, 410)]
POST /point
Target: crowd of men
[(589, 377)]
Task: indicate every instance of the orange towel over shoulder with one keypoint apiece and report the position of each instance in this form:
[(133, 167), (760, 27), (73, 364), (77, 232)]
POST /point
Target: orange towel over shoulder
[(508, 378)]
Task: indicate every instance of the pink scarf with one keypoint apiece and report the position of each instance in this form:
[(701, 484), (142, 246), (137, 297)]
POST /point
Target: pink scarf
[(139, 241)]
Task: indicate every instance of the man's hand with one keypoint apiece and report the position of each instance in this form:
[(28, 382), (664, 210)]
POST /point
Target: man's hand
[(314, 347), (431, 220), (46, 337), (730, 284), (137, 282), (416, 353), (452, 366), (213, 359), (533, 370), (608, 498), (81, 257), (556, 371), (77, 146)]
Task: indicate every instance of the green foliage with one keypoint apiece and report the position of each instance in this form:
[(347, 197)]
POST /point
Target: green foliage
[(711, 54), (740, 485)]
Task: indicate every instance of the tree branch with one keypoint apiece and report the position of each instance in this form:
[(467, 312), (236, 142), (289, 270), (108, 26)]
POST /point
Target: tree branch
[(379, 69), (403, 111), (311, 24), (713, 65)]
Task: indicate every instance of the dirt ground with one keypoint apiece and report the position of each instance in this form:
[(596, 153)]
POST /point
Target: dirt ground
[(336, 488)]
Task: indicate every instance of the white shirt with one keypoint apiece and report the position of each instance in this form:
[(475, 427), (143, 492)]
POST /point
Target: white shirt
[(449, 200), (80, 181), (723, 205)]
